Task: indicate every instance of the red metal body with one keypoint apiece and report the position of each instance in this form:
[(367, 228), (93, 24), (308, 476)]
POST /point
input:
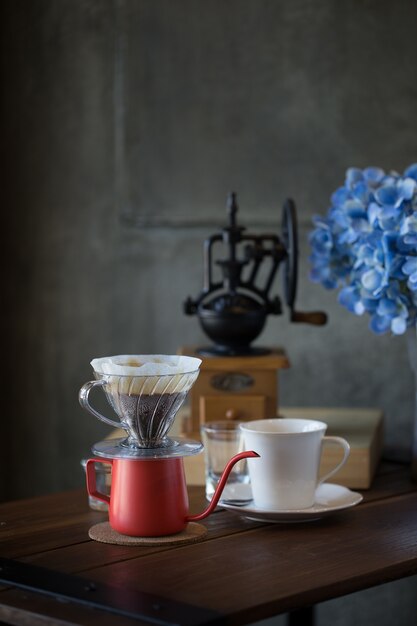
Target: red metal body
[(148, 497)]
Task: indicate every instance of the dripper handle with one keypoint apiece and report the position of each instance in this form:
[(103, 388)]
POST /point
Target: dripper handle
[(83, 398)]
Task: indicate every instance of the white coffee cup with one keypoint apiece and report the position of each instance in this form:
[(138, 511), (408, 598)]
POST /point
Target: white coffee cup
[(285, 477)]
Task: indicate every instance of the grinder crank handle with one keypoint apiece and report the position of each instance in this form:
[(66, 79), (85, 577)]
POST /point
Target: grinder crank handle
[(316, 318)]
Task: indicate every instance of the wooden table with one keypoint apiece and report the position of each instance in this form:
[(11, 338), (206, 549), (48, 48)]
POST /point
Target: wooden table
[(243, 570)]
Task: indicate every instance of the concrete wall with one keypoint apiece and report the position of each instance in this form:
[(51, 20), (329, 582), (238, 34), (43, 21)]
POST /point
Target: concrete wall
[(125, 124)]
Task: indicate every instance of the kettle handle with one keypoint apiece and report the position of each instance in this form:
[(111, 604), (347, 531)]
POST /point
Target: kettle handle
[(220, 486), (90, 472)]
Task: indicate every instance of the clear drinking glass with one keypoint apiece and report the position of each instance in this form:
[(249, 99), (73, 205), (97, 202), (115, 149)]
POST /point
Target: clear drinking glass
[(221, 441)]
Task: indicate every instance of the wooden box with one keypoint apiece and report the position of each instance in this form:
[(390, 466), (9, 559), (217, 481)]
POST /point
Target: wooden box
[(363, 429)]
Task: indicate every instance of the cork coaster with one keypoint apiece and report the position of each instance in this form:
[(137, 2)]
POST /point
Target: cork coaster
[(104, 533)]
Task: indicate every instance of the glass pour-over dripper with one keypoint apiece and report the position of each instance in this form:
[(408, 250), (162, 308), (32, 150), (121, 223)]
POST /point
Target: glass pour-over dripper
[(145, 391)]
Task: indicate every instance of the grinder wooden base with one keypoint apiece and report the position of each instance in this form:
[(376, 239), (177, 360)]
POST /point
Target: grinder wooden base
[(234, 388)]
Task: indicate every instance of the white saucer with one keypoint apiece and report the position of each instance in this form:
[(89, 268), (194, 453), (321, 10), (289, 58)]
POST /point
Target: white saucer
[(329, 498)]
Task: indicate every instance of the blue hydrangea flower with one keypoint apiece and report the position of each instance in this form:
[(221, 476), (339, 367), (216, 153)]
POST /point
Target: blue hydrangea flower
[(366, 246)]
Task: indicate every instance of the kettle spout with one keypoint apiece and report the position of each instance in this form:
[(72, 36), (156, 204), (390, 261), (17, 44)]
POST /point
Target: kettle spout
[(219, 489)]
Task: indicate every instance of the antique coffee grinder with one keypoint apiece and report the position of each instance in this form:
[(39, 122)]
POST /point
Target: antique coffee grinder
[(238, 380), (233, 310), (148, 496)]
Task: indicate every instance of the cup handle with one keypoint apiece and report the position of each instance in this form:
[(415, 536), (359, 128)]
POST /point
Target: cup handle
[(90, 473), (83, 399), (346, 451)]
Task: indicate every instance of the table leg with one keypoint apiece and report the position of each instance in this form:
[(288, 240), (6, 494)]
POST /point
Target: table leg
[(301, 617)]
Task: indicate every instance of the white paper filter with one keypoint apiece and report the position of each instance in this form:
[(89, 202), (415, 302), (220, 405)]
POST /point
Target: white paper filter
[(136, 374)]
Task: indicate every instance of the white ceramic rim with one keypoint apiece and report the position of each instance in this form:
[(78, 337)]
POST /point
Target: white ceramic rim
[(263, 427)]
